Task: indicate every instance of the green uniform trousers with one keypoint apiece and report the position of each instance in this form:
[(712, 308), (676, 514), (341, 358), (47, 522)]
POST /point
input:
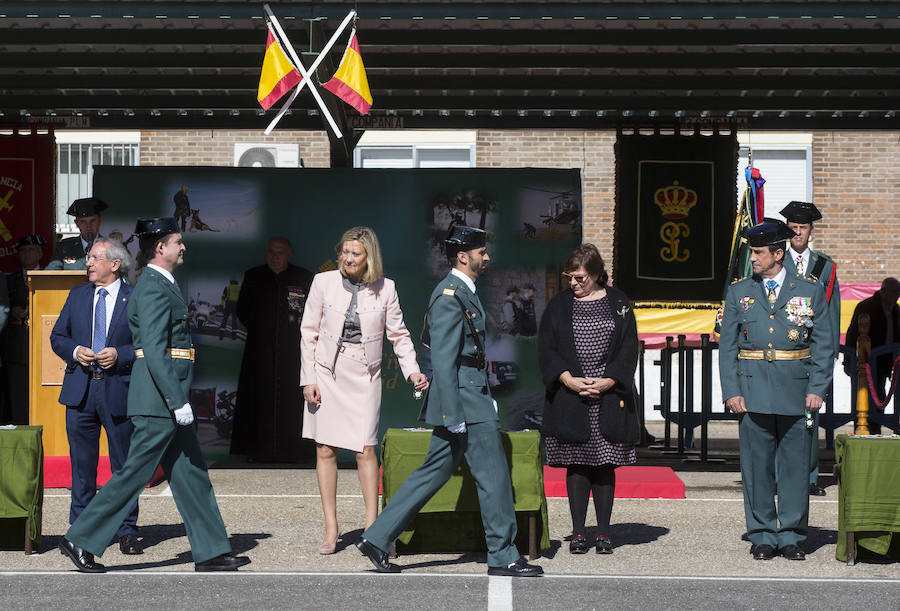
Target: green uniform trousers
[(157, 441), (483, 450), (775, 461)]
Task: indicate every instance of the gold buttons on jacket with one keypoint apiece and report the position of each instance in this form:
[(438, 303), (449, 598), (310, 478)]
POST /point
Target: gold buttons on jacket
[(771, 330), (771, 316)]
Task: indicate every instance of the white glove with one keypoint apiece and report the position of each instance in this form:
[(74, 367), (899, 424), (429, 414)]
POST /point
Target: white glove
[(184, 415), (457, 428)]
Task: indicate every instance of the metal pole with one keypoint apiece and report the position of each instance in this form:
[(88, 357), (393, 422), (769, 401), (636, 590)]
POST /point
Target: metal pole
[(681, 384), (705, 394), (666, 390)]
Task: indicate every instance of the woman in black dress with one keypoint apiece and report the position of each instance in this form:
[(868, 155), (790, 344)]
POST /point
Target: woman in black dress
[(587, 347)]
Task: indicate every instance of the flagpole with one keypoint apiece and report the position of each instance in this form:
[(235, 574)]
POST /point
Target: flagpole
[(303, 73)]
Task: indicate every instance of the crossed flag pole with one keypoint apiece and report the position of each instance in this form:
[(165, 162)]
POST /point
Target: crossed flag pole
[(278, 34)]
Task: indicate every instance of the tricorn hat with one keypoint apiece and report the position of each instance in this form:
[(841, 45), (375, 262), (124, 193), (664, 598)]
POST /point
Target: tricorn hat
[(31, 240), (86, 206), (156, 226), (801, 212), (770, 231), (466, 238)]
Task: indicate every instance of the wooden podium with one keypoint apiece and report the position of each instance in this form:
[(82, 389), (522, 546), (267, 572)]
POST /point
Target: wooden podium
[(47, 292)]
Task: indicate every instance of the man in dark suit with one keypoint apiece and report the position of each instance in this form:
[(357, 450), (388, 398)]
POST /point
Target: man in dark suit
[(464, 416), (161, 414), (884, 328), (91, 335), (800, 259), (775, 367), (71, 253)]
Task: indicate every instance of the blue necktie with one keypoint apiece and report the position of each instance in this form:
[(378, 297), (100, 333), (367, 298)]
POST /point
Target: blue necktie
[(99, 341)]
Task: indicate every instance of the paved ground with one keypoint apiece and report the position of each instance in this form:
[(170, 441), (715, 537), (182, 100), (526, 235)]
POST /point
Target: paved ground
[(669, 554)]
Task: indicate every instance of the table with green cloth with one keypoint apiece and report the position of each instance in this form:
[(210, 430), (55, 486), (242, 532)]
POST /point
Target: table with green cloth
[(868, 475), (451, 520), (21, 485)]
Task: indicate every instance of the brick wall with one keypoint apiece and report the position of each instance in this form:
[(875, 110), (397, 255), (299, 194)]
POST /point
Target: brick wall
[(216, 147), (856, 184)]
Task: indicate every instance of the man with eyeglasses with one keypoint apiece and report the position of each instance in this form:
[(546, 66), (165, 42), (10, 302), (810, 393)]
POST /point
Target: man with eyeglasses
[(91, 335)]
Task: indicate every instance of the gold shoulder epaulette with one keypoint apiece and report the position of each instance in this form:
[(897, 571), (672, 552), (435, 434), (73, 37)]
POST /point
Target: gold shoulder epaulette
[(736, 280), (449, 292)]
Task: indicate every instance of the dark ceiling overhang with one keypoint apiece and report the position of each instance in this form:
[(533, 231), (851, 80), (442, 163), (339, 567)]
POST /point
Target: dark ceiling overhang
[(753, 65)]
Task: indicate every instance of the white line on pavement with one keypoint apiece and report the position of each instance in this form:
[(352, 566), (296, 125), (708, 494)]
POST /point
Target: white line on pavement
[(500, 593), (411, 574)]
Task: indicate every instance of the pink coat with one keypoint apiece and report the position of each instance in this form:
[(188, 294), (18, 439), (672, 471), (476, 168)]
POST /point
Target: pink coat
[(323, 324)]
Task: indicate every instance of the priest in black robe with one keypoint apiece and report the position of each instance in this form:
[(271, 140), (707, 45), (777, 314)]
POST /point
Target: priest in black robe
[(268, 414)]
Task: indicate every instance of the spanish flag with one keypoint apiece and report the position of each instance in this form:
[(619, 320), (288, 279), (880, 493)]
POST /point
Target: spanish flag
[(349, 82), (278, 74)]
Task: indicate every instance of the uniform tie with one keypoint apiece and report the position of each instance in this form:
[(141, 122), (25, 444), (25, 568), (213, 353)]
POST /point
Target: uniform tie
[(99, 341), (772, 285), (800, 264)]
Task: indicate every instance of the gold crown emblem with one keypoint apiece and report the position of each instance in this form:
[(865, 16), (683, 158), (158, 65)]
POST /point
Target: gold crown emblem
[(675, 201)]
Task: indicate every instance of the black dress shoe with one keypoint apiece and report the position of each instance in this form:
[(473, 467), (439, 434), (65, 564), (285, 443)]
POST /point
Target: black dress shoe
[(792, 552), (225, 562), (578, 544), (129, 545), (814, 490), (762, 552), (378, 557), (603, 545), (83, 561), (519, 568)]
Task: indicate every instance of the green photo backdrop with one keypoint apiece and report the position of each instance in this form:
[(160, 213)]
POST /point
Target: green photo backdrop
[(533, 217)]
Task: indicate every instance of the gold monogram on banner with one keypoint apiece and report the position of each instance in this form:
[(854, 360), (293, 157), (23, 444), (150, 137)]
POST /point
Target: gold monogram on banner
[(675, 203)]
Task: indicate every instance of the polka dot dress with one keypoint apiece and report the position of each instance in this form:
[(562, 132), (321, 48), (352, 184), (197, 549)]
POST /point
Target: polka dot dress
[(593, 327)]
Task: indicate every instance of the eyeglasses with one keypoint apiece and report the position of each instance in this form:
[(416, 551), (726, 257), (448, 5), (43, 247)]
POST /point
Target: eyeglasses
[(95, 258), (577, 278)]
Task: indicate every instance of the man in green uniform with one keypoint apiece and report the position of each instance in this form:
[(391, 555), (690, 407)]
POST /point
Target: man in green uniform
[(161, 415), (71, 253), (464, 416), (800, 259), (775, 367)]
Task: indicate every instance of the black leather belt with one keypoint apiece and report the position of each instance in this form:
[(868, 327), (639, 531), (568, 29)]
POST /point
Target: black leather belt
[(471, 361)]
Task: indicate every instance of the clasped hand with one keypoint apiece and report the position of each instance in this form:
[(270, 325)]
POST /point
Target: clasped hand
[(106, 358), (585, 386)]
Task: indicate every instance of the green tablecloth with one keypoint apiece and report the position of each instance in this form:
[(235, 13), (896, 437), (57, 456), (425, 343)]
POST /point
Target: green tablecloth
[(451, 520), (21, 480), (868, 475)]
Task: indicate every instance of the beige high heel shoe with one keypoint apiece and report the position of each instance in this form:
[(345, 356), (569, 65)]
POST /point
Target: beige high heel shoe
[(327, 548)]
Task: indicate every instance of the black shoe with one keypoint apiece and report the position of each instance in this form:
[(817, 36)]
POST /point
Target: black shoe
[(378, 558), (604, 545), (130, 546), (762, 552), (519, 568), (578, 544), (225, 562), (814, 490), (792, 552), (83, 561)]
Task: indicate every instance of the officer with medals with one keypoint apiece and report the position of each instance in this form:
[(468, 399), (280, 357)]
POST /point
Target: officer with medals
[(464, 416), (775, 365), (71, 253), (800, 259)]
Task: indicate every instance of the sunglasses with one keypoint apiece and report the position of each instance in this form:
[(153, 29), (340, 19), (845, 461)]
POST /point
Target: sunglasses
[(577, 278)]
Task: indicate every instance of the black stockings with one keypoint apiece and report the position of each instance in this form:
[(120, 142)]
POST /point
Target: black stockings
[(581, 481)]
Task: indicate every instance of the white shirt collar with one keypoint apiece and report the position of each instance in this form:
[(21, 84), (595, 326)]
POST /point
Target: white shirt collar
[(779, 279), (793, 254), (112, 289), (166, 274), (469, 282)]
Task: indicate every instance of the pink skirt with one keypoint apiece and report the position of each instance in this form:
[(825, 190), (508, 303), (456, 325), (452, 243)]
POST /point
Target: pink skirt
[(350, 409)]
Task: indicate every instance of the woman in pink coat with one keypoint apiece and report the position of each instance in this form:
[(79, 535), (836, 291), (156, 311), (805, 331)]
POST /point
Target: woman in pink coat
[(346, 315)]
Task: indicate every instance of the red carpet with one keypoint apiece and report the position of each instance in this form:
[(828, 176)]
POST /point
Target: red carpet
[(631, 483), (58, 472)]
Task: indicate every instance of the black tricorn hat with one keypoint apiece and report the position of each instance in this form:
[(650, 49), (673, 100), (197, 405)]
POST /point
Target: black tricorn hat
[(86, 206), (31, 240), (159, 226), (770, 231), (801, 212), (467, 238)]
